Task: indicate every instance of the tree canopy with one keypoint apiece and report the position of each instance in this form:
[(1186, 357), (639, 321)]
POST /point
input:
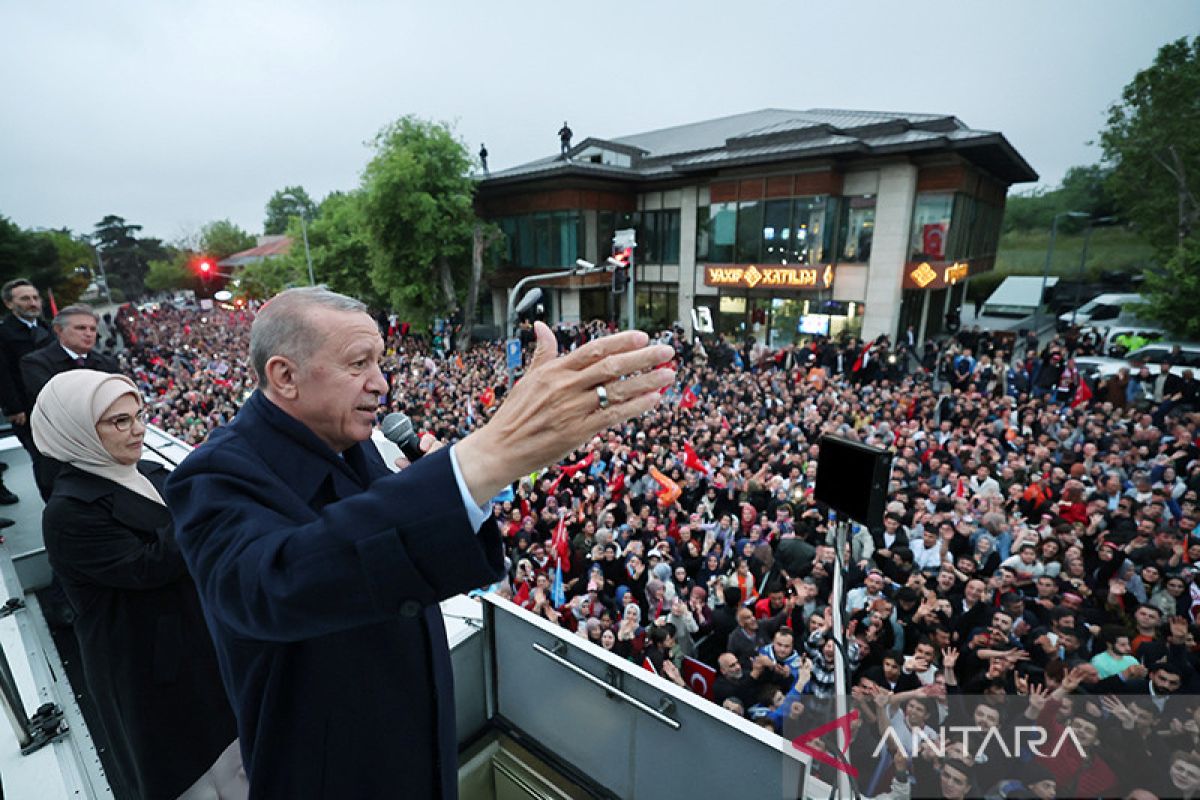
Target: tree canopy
[(1153, 142), (418, 214), (222, 238), (126, 257), (288, 202)]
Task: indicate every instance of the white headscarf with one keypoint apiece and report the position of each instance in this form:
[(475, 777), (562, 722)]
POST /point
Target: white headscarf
[(64, 425)]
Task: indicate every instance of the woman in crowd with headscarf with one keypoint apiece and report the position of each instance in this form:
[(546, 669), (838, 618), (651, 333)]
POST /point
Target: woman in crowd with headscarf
[(146, 652)]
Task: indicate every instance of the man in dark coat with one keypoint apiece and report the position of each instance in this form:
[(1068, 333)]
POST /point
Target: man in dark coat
[(320, 571), (21, 332), (75, 330)]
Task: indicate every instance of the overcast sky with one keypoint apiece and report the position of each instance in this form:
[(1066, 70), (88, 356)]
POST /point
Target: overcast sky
[(172, 114)]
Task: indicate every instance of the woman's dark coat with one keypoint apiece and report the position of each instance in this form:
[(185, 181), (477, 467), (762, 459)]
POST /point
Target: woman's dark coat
[(147, 655)]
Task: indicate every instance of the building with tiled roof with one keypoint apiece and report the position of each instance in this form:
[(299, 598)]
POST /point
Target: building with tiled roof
[(780, 222), (267, 247)]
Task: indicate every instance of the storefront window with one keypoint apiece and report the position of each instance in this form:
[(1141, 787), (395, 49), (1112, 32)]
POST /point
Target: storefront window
[(931, 227), (857, 229), (723, 227), (749, 232), (808, 230), (777, 232), (550, 239), (703, 233), (657, 307)]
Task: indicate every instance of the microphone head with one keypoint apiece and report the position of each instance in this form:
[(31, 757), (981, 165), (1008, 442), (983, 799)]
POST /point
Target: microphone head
[(398, 428)]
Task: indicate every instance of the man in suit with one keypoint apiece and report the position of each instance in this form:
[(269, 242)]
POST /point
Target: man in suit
[(21, 332), (73, 347), (320, 570)]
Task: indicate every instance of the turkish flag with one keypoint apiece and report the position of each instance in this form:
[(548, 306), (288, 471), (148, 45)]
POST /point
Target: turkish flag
[(933, 239), (692, 461), (1082, 394), (562, 545), (699, 677), (487, 397), (648, 664), (689, 398)]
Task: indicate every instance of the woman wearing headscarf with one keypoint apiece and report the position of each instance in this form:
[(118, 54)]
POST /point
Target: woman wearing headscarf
[(146, 652)]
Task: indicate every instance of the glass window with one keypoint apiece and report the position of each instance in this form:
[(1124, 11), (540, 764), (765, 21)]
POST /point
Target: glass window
[(931, 226), (647, 239), (858, 225), (510, 250), (541, 239), (777, 232), (670, 233), (528, 252), (749, 232), (606, 221), (808, 230), (657, 307), (723, 220), (703, 233)]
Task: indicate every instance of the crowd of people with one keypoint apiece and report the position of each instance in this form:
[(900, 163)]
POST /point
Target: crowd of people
[(1035, 565)]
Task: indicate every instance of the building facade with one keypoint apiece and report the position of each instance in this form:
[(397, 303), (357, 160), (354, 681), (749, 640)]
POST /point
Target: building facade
[(780, 223)]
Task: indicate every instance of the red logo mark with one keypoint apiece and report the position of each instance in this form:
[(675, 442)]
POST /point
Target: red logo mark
[(838, 762)]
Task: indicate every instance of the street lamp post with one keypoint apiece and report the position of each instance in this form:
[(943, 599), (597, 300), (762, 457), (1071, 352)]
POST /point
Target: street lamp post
[(1037, 312), (1087, 237), (510, 317), (312, 281)]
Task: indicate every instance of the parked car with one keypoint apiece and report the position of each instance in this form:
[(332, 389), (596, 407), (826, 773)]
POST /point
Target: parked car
[(1188, 356), (1106, 308)]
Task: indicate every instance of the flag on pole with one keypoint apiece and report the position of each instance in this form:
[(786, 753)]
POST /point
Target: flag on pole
[(693, 461), (558, 595), (562, 545)]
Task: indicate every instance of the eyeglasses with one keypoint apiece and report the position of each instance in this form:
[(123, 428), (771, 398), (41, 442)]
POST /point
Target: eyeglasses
[(124, 422)]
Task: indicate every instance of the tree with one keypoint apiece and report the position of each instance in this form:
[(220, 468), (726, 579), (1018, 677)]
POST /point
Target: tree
[(1172, 292), (340, 247), (1153, 142), (222, 238), (170, 274), (418, 213), (126, 257), (288, 202)]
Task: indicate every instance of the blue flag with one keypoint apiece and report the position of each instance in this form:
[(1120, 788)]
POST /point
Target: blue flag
[(557, 595)]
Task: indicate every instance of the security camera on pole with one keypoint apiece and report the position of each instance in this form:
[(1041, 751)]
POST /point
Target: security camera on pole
[(622, 261)]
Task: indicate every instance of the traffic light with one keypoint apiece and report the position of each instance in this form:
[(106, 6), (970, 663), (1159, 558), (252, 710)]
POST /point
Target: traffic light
[(205, 268)]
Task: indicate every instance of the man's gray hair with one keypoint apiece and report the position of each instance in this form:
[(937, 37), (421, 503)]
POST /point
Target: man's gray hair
[(76, 310), (283, 327)]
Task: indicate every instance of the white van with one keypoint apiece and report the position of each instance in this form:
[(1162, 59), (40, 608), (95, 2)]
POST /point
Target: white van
[(1101, 311)]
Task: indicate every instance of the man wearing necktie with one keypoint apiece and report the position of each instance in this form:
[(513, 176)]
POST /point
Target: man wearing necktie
[(21, 332), (75, 330)]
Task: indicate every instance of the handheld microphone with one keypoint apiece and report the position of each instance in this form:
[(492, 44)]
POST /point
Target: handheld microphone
[(398, 429)]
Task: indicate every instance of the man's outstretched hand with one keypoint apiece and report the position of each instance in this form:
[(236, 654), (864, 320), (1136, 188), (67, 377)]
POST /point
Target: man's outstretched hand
[(555, 408)]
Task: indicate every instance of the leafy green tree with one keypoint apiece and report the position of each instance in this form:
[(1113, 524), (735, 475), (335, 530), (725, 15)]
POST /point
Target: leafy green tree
[(222, 238), (267, 278), (1173, 291), (173, 274), (25, 255), (76, 263), (126, 257), (288, 202), (341, 252), (418, 213), (1153, 142)]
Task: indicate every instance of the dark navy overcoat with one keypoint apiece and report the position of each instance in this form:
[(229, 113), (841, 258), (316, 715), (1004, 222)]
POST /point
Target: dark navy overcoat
[(320, 575)]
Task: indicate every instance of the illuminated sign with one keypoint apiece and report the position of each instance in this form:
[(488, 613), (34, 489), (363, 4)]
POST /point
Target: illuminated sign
[(940, 274), (923, 275), (770, 277)]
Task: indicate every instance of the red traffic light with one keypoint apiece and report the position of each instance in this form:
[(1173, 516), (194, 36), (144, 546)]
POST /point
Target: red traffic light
[(205, 267)]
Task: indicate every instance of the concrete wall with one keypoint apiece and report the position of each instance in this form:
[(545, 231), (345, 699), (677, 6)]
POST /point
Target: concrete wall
[(889, 248)]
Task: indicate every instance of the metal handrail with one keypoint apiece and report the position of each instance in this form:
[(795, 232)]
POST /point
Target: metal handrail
[(607, 687)]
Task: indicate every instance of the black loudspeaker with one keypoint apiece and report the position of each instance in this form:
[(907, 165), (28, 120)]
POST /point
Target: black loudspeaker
[(852, 479)]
